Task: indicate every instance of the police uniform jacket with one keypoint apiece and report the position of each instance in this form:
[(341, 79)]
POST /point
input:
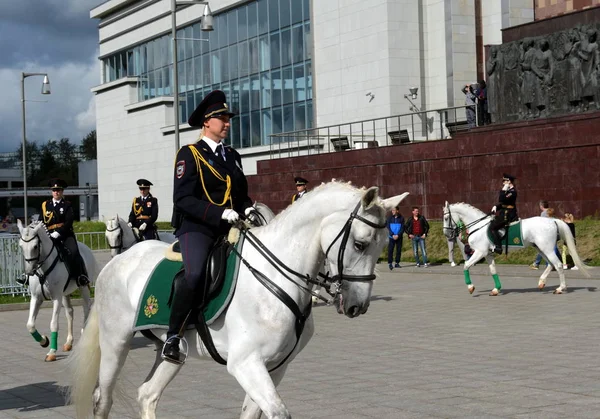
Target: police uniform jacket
[(200, 189), (297, 196), (58, 218), (144, 211), (507, 203)]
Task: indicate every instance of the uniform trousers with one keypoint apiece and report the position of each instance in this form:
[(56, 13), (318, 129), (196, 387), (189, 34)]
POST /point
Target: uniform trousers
[(74, 263)]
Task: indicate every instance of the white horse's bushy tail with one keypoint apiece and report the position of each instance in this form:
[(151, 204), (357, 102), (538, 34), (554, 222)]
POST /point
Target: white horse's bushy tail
[(84, 367), (567, 237)]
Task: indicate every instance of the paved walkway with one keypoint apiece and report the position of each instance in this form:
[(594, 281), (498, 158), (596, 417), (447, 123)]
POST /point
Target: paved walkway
[(425, 349)]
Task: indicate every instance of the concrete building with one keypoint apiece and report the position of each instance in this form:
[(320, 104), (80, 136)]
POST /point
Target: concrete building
[(286, 65)]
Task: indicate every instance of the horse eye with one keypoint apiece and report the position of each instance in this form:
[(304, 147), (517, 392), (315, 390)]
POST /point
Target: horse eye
[(359, 246)]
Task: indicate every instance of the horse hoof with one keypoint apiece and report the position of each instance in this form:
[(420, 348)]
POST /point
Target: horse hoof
[(541, 286), (557, 291), (45, 341), (50, 358), (494, 292), (67, 347), (471, 288)]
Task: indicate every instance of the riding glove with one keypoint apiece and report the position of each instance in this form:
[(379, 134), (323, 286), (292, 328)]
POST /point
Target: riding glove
[(248, 211), (143, 227), (230, 216), (55, 235), (130, 225), (494, 208)]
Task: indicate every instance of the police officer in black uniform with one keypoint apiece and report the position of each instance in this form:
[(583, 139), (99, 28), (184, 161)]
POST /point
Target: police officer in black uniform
[(210, 191), (58, 216), (144, 211), (300, 188), (505, 210)]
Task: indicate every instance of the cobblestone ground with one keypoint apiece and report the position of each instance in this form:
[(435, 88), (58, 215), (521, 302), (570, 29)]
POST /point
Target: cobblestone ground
[(425, 349)]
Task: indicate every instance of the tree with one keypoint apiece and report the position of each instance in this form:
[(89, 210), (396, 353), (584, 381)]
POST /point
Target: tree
[(88, 148)]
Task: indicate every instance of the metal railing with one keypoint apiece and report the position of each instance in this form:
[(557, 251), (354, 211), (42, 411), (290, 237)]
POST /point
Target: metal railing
[(12, 263), (414, 127)]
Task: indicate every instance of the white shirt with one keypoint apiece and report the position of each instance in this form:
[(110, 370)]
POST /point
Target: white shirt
[(55, 203), (212, 144), (300, 194)]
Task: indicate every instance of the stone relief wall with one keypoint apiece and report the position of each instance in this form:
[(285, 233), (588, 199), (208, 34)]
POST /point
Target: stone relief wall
[(544, 76)]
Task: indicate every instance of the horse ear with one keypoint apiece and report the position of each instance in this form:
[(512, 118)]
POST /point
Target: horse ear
[(394, 201), (20, 226), (446, 204), (370, 197)]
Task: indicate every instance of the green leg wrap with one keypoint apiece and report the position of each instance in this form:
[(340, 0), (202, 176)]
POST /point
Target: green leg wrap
[(467, 277), (497, 281), (36, 336), (53, 340)]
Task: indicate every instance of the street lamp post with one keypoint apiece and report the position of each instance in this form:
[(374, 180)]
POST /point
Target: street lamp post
[(45, 91), (207, 26)]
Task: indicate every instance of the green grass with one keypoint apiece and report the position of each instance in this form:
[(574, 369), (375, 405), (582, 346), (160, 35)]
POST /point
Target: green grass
[(587, 231), (9, 299)]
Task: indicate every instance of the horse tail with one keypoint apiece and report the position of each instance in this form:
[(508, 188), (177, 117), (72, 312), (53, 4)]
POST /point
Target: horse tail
[(84, 366), (567, 237)]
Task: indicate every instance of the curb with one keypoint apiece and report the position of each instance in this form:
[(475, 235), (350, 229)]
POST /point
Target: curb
[(46, 304)]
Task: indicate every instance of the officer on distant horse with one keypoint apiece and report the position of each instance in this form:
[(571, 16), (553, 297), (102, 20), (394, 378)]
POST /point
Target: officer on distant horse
[(505, 211), (58, 216), (300, 188), (210, 190), (144, 211)]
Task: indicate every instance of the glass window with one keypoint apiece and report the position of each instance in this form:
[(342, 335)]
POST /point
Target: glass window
[(232, 26), (234, 100), (309, 114), (213, 40), (275, 58), (189, 106), (307, 42), (150, 52), (254, 92), (166, 77), (233, 62), (299, 83), (252, 20), (288, 118), (276, 125), (151, 85), (306, 9), (198, 95), (197, 34), (183, 108), (273, 15), (308, 75), (255, 128), (180, 46), (221, 26), (206, 79), (234, 133), (286, 47), (224, 64), (244, 59), (299, 116), (264, 52), (198, 72), (298, 43), (245, 130), (288, 85), (263, 17), (189, 70), (242, 23), (296, 11), (215, 67), (225, 89), (181, 78), (254, 56), (188, 43), (284, 13), (266, 127), (143, 59), (265, 84), (245, 95), (276, 83)]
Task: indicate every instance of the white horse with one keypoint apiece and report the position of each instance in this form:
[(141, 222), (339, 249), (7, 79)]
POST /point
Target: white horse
[(47, 279), (121, 237), (540, 232), (260, 333)]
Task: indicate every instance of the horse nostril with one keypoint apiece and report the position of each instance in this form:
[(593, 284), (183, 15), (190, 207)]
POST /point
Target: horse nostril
[(354, 311)]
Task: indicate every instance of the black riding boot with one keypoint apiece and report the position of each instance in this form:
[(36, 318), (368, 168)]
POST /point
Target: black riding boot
[(82, 279), (497, 242), (183, 302)]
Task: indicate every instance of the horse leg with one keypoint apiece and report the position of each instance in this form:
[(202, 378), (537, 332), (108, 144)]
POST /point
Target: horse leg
[(250, 409), (34, 308), (66, 301), (554, 261), (159, 378), (497, 284), (253, 376), (51, 355), (475, 257)]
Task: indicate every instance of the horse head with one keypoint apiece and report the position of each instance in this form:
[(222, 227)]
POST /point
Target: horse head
[(35, 243), (450, 222), (114, 235), (352, 244)]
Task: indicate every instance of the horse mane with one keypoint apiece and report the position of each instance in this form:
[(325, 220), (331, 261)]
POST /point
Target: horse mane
[(468, 206)]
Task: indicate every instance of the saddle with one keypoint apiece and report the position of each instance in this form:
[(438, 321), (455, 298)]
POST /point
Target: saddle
[(215, 269), (70, 262)]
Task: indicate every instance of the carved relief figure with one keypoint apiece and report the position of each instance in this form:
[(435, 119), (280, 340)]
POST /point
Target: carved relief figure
[(574, 76), (590, 59), (543, 67), (492, 68), (528, 80)]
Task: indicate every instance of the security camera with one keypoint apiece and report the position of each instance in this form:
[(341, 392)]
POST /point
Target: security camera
[(413, 92)]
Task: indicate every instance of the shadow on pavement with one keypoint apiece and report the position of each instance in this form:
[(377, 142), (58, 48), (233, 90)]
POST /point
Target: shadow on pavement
[(547, 290), (32, 397)]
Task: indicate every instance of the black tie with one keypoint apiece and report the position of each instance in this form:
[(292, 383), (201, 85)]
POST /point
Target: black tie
[(220, 152)]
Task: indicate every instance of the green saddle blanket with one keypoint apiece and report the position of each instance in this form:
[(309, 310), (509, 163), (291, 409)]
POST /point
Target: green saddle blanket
[(515, 236), (153, 311)]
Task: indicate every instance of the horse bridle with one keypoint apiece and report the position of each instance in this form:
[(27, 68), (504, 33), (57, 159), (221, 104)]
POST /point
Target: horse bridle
[(454, 230), (119, 244), (36, 259)]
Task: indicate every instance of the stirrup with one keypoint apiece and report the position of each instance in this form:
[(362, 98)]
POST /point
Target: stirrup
[(183, 350), (23, 280), (82, 281)]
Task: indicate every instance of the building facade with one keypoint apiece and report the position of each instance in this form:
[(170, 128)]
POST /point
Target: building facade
[(285, 65)]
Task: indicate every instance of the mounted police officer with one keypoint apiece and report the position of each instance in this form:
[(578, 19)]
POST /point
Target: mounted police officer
[(210, 190), (57, 215), (300, 188), (505, 211), (144, 211)]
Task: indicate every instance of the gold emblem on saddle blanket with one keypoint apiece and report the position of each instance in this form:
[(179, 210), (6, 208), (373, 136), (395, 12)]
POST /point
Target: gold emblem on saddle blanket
[(151, 306), (516, 240)]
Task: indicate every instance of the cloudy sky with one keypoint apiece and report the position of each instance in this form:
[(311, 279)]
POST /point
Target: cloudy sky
[(55, 37)]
